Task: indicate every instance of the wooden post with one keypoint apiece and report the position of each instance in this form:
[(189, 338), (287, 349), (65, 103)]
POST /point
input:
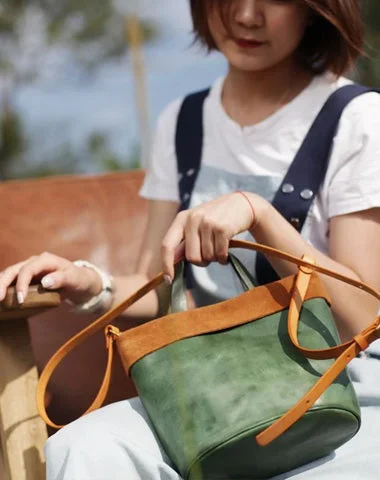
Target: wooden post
[(135, 41), (23, 433)]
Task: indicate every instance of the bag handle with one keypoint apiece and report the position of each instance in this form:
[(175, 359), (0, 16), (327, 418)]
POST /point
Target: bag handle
[(346, 351), (178, 299)]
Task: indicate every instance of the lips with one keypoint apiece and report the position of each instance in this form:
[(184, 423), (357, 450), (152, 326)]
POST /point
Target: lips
[(245, 43)]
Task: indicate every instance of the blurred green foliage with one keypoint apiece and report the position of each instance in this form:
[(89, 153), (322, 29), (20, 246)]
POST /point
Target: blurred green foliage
[(106, 159), (93, 33), (12, 139), (91, 29), (65, 161), (369, 65)]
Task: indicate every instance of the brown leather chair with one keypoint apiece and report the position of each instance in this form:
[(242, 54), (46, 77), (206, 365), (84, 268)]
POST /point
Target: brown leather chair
[(98, 218)]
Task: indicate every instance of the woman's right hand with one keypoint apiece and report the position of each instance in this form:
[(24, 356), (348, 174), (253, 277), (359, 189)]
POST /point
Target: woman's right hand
[(77, 284)]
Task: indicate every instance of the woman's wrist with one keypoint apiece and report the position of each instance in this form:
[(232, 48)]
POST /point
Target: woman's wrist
[(101, 292), (253, 211), (259, 208), (94, 282)]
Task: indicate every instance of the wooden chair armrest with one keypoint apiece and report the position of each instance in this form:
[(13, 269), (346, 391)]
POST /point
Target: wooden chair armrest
[(37, 301)]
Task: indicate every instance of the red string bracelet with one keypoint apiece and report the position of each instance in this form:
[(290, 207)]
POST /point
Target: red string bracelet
[(254, 217)]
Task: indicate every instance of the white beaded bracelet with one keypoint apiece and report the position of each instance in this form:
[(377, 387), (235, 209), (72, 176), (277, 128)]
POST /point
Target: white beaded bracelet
[(100, 301)]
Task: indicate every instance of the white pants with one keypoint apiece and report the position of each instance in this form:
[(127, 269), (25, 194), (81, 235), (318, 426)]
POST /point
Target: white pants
[(117, 443)]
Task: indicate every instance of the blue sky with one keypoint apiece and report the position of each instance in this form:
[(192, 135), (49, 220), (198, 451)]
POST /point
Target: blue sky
[(68, 110)]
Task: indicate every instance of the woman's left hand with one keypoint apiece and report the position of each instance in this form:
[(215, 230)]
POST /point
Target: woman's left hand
[(202, 234)]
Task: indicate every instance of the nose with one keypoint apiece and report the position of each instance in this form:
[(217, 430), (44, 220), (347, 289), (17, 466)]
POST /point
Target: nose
[(249, 13)]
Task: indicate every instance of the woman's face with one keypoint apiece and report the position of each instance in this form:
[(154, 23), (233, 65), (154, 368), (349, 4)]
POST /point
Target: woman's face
[(257, 34)]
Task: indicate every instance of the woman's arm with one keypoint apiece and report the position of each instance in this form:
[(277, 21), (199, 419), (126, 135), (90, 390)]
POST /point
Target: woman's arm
[(353, 248), (354, 251), (160, 217)]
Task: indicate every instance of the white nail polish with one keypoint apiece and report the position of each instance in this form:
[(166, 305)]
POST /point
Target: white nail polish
[(47, 282), (20, 298), (167, 279)]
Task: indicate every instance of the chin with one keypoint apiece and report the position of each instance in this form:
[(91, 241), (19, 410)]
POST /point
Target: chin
[(250, 66), (248, 62)]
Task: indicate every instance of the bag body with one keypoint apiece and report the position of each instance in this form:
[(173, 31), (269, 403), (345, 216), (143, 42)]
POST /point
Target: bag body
[(243, 389), (209, 395)]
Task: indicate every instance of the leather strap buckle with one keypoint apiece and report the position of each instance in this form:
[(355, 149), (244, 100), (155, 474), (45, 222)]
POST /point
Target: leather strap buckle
[(111, 333)]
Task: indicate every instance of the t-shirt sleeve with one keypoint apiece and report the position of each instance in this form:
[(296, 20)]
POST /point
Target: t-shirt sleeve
[(354, 177), (161, 179)]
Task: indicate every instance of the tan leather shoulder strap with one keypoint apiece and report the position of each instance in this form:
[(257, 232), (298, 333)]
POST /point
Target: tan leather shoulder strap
[(78, 339), (366, 337), (345, 353)]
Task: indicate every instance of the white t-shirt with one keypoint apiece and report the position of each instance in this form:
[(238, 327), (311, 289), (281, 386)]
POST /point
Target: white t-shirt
[(256, 158)]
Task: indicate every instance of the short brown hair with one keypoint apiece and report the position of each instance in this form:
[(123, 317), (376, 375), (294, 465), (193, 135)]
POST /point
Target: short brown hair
[(333, 41)]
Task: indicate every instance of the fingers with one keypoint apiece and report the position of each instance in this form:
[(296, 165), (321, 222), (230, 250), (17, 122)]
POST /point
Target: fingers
[(213, 239), (205, 239), (198, 239), (48, 266), (210, 240), (185, 226), (197, 236), (170, 244), (206, 231), (8, 276), (221, 244)]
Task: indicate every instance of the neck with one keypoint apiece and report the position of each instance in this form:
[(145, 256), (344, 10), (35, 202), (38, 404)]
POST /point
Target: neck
[(249, 97)]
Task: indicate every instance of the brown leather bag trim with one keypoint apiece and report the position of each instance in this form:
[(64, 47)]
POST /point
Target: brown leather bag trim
[(345, 352), (266, 300)]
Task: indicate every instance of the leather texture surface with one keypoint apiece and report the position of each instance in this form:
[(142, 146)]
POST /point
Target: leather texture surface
[(209, 395), (288, 294), (255, 303), (97, 218)]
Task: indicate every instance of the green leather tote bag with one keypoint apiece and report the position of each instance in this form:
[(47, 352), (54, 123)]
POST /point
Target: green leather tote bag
[(244, 389)]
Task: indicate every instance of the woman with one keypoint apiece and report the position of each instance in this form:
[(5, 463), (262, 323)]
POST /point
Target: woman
[(284, 58)]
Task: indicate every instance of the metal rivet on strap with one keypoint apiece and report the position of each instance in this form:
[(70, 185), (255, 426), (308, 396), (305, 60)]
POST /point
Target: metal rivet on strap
[(186, 197), (287, 188), (190, 172), (307, 194), (296, 222)]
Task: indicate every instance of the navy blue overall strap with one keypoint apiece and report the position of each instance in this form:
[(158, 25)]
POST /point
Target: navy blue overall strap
[(189, 143), (307, 172)]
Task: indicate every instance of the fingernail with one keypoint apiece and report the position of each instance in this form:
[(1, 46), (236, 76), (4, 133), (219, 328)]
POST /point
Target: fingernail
[(20, 298), (167, 279), (48, 282)]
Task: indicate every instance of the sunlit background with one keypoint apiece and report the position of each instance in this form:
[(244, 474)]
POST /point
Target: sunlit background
[(82, 82)]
